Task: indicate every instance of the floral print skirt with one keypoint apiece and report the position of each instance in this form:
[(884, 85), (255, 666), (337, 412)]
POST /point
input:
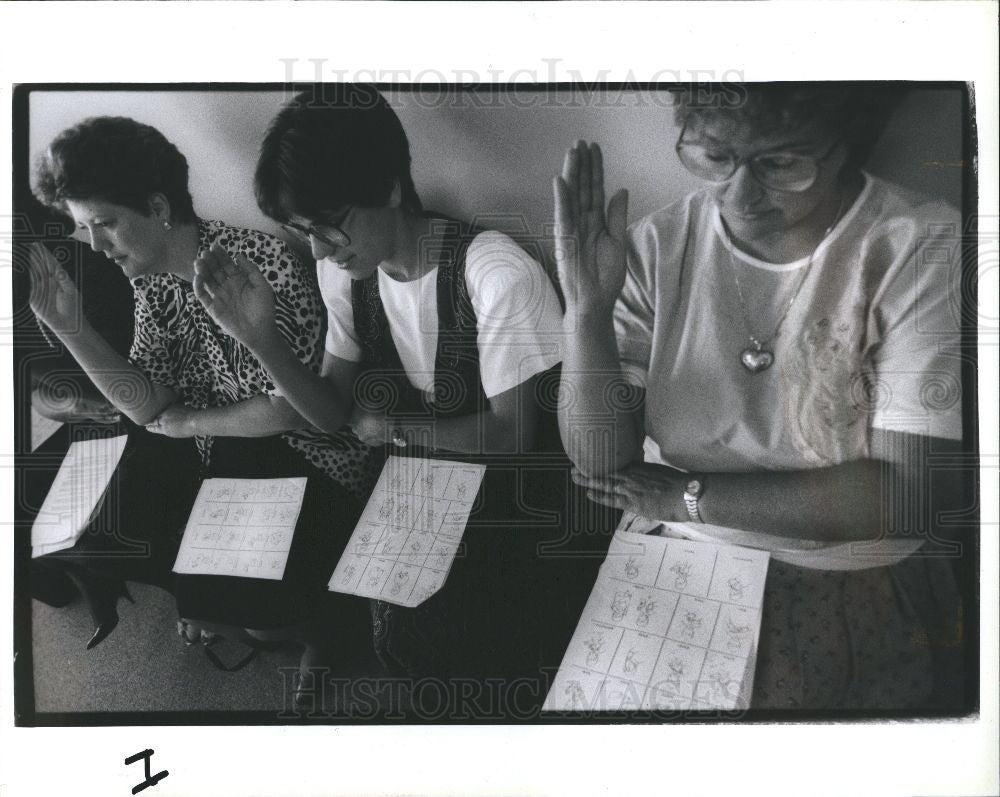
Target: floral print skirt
[(875, 639)]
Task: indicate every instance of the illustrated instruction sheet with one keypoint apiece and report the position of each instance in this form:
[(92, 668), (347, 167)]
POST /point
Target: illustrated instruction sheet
[(241, 527), (670, 625), (75, 494), (408, 535)]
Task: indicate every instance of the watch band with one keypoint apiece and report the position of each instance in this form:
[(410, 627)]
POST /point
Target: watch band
[(693, 490)]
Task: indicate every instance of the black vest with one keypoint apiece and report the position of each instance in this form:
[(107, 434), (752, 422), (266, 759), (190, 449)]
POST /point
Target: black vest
[(382, 384)]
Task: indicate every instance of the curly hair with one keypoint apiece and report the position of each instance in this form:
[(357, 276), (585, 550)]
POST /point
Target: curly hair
[(858, 112), (118, 160), (333, 145)]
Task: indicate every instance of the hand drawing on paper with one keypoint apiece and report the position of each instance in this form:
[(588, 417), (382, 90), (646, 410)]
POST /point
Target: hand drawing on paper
[(375, 576), (681, 571), (575, 694), (631, 568), (594, 645), (675, 674), (221, 493), (386, 509), (647, 605), (620, 604), (402, 577), (690, 623), (214, 513), (367, 536), (396, 482), (632, 662), (246, 492), (722, 685), (736, 641), (402, 526), (230, 520), (692, 614)]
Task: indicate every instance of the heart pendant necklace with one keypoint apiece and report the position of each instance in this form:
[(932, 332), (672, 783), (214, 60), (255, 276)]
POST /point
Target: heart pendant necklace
[(759, 355)]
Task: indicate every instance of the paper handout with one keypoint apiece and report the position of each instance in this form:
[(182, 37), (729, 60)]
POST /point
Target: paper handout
[(671, 624), (75, 493), (408, 535), (241, 527), (42, 428)]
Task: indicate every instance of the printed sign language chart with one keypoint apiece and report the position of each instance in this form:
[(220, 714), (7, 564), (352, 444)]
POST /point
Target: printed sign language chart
[(670, 624), (407, 537), (241, 527)]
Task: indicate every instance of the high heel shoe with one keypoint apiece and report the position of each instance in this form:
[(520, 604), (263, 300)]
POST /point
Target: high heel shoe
[(103, 602), (314, 667)]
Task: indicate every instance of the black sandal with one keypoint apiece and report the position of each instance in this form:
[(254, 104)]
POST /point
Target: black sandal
[(255, 645)]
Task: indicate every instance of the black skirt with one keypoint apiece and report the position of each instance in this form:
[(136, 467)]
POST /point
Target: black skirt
[(134, 533), (138, 529), (325, 523), (528, 559)]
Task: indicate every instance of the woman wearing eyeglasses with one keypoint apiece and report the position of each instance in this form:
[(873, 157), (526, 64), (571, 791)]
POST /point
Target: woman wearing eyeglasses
[(125, 187), (438, 340), (792, 356)]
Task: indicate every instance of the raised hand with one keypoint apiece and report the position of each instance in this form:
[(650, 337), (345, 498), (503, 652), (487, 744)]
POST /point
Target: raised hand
[(54, 298), (235, 294), (590, 243)]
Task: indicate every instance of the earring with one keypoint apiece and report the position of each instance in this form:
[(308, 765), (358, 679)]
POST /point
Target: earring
[(167, 225)]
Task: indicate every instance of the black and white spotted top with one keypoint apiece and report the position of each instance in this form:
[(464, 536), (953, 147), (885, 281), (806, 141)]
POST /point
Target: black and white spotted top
[(177, 344)]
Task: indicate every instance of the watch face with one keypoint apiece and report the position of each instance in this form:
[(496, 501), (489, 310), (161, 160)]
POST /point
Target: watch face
[(694, 487)]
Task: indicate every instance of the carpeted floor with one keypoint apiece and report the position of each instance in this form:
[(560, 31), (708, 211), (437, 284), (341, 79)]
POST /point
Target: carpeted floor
[(143, 666)]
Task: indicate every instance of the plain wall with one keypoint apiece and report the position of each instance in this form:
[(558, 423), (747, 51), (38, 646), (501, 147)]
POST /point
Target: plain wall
[(488, 156)]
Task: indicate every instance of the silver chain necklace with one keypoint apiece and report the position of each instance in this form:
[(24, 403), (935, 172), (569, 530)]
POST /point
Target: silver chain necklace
[(759, 355)]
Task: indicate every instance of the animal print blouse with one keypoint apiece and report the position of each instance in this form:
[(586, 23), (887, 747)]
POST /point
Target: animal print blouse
[(177, 344)]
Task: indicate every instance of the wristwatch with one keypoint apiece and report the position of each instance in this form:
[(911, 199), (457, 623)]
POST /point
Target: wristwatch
[(693, 490)]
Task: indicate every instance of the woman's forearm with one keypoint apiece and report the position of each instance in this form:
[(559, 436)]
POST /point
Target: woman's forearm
[(598, 436), (477, 433), (260, 416), (841, 503), (124, 385), (506, 427), (315, 398)]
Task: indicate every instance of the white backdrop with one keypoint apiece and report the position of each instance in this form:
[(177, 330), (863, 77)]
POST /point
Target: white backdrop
[(495, 161)]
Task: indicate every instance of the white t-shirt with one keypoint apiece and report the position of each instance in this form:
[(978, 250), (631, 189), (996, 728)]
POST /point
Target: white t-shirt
[(871, 340), (519, 320)]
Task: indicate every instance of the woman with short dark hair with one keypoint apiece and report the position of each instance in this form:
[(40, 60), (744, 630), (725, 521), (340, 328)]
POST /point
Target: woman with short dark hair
[(439, 337), (125, 187)]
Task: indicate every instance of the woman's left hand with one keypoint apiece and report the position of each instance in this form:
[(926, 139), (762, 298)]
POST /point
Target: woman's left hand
[(177, 420), (650, 490)]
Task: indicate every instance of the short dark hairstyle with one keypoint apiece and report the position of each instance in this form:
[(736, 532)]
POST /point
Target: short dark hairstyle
[(333, 145), (116, 159), (859, 112)]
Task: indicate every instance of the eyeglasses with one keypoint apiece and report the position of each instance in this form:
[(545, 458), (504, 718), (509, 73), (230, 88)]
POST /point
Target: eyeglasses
[(779, 171), (329, 234)]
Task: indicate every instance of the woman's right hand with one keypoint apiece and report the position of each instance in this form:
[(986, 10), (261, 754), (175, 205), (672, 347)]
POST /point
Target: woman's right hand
[(235, 294), (54, 298), (590, 243)]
